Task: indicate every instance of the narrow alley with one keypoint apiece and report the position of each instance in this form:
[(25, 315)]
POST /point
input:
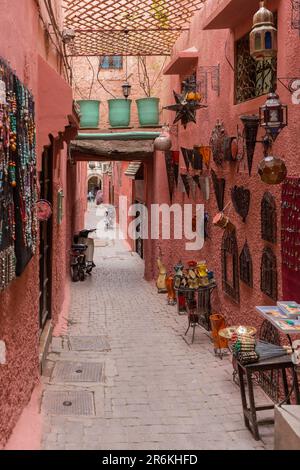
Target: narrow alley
[(142, 385), (149, 226)]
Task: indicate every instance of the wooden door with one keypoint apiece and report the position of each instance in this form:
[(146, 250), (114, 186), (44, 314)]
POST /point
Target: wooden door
[(46, 240)]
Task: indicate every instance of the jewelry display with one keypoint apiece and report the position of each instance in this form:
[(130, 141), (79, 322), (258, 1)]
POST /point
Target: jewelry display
[(18, 194)]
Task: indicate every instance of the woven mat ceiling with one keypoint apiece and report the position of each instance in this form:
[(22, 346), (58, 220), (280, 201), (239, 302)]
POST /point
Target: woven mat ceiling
[(127, 27)]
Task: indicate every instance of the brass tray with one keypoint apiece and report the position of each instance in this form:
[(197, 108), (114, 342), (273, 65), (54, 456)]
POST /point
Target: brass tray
[(239, 329)]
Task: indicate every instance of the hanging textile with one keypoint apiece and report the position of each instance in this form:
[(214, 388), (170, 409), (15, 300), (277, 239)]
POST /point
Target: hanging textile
[(18, 225)]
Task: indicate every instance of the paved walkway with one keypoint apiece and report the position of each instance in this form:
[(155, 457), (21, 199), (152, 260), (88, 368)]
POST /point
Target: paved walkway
[(156, 390)]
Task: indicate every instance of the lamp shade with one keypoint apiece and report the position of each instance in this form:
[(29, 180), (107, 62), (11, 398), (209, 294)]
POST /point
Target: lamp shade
[(272, 170)]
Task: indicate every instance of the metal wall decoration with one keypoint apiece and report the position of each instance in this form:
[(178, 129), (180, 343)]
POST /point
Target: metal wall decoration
[(231, 149), (295, 21), (268, 273), (268, 218), (175, 157), (186, 184), (246, 266), (241, 200), (18, 191), (217, 142), (215, 79), (230, 265), (253, 78), (185, 110), (251, 125), (219, 187), (185, 154)]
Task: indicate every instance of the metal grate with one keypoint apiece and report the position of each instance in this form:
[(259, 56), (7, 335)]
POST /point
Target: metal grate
[(68, 403), (66, 371), (127, 27), (268, 273), (253, 78), (268, 218), (89, 343), (230, 265)]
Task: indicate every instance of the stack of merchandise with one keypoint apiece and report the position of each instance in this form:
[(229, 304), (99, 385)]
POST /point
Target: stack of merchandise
[(244, 349)]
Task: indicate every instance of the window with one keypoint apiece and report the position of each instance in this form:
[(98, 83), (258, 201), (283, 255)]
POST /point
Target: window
[(111, 62), (252, 79)]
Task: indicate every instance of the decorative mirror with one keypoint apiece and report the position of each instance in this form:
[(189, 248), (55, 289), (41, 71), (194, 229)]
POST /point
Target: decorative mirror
[(217, 142), (268, 218), (246, 267), (230, 265), (268, 273), (241, 200), (219, 187)]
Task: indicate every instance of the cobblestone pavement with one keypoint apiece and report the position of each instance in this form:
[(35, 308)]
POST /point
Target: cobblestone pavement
[(157, 391)]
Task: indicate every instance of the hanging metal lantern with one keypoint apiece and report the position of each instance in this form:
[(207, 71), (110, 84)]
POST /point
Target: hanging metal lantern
[(126, 90), (273, 115), (92, 165), (163, 141), (272, 170), (263, 37)]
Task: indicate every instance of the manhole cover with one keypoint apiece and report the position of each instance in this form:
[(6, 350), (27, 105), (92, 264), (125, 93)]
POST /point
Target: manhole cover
[(68, 403), (66, 371), (89, 343)]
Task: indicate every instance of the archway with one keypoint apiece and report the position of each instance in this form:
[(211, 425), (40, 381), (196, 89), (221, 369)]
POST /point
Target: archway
[(93, 182)]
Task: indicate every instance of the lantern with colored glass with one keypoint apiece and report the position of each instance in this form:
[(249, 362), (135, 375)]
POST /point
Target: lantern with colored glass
[(263, 37), (273, 115)]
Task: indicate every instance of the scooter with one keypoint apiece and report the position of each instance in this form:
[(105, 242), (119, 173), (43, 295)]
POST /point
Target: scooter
[(82, 255)]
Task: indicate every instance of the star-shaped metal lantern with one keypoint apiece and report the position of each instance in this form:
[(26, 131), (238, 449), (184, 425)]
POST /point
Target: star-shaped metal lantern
[(185, 110)]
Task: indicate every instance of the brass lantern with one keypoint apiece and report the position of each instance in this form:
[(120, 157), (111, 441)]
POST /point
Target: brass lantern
[(263, 37), (273, 115)]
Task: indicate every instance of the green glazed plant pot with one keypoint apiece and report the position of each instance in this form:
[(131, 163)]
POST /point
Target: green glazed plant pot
[(89, 114), (119, 112), (148, 111)]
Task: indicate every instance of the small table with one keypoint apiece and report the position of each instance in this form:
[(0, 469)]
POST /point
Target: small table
[(197, 305), (277, 363)]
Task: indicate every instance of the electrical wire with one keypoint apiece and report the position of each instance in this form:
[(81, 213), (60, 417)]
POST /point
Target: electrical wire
[(93, 78), (226, 57)]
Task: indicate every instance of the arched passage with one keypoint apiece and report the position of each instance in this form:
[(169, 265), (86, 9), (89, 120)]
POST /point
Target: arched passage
[(93, 182)]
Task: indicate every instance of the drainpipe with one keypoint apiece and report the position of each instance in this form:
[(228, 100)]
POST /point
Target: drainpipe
[(118, 136)]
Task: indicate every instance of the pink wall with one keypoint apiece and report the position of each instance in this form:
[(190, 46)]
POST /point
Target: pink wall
[(87, 87), (22, 43), (211, 46)]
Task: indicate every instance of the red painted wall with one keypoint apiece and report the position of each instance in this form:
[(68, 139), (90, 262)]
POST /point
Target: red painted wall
[(212, 51), (21, 41)]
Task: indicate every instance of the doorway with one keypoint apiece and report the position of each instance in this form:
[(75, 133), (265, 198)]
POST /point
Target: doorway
[(46, 240)]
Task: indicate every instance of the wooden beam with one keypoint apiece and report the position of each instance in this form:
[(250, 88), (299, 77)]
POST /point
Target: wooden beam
[(101, 150)]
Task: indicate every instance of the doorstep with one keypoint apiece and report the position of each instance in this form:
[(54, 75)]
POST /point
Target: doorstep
[(45, 340)]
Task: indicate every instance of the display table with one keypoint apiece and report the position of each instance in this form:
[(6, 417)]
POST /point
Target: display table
[(196, 304), (277, 363)]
